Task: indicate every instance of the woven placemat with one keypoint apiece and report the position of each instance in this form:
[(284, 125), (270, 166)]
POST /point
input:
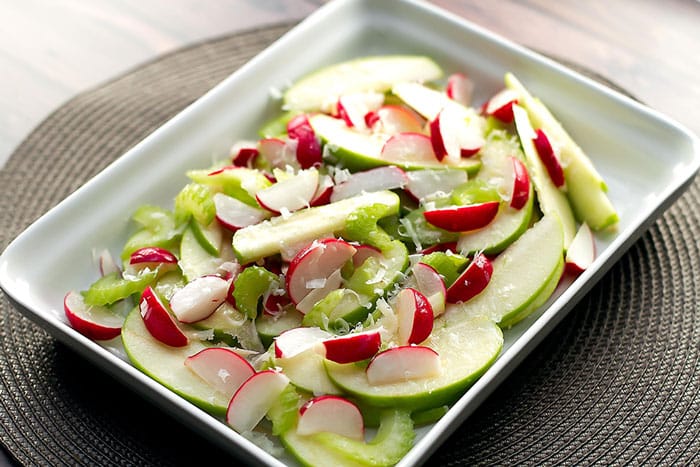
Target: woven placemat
[(617, 382)]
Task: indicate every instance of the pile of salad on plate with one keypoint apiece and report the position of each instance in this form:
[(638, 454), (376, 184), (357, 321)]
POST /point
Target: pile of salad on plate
[(355, 266)]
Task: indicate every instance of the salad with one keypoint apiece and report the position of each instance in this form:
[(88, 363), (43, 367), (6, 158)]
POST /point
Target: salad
[(354, 266)]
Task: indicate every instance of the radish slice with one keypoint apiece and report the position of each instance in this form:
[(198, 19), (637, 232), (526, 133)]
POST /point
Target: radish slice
[(234, 214), (244, 153), (582, 251), (199, 299), (222, 368), (279, 153), (298, 340), (394, 119), (408, 147), (291, 194), (403, 363), (331, 414), (500, 106), (460, 88), (352, 108), (254, 399), (98, 323), (415, 316)]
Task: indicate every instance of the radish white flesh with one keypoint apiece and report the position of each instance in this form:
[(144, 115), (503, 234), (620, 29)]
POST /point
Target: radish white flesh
[(159, 322), (298, 340), (234, 214), (353, 347), (582, 250), (254, 399), (415, 316), (408, 147), (424, 183), (394, 119), (98, 323), (316, 263), (459, 88), (325, 287), (279, 153), (403, 364), (323, 192), (291, 194), (152, 257), (222, 368), (431, 284), (453, 136), (378, 179), (107, 264), (353, 107), (331, 414), (199, 298)]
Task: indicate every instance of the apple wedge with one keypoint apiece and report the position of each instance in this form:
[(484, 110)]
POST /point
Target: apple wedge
[(540, 252), (378, 74), (377, 179), (274, 235), (465, 350), (98, 323), (166, 365), (423, 184), (586, 189)]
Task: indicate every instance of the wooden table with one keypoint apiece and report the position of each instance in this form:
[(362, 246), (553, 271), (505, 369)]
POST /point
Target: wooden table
[(50, 51)]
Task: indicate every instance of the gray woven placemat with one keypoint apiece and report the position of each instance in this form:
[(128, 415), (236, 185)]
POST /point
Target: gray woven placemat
[(617, 382)]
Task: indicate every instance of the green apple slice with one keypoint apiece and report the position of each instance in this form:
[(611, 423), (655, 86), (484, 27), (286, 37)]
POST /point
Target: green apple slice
[(231, 326), (195, 261), (166, 365), (315, 91), (519, 276), (553, 201), (307, 372), (279, 233), (209, 236), (586, 188), (270, 327), (357, 150), (466, 350)]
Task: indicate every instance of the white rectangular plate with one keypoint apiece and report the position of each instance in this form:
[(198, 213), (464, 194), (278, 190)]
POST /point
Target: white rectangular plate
[(646, 159)]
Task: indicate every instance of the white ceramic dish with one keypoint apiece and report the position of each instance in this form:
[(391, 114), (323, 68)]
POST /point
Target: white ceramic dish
[(647, 160)]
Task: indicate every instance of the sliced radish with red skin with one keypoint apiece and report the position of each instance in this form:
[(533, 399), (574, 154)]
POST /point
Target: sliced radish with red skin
[(331, 414), (500, 106), (352, 108), (452, 135), (158, 320), (254, 399), (520, 184), (378, 179), (431, 284), (423, 183), (308, 151), (472, 281), (353, 347), (581, 252), (443, 247), (394, 119), (415, 316), (460, 88), (107, 264), (244, 153), (325, 286), (279, 153), (276, 304), (297, 340), (549, 158), (152, 257), (233, 214), (97, 323), (316, 262), (404, 363), (323, 192), (363, 252), (437, 138), (463, 218), (291, 194), (199, 298), (408, 147), (222, 368)]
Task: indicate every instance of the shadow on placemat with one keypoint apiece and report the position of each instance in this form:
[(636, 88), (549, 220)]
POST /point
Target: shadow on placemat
[(616, 382)]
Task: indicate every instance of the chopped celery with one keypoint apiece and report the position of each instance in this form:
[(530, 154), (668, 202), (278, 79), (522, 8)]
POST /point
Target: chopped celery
[(250, 286)]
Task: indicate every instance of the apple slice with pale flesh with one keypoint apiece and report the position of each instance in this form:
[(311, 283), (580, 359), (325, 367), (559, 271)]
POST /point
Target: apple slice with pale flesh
[(549, 158), (158, 320), (540, 252), (353, 347), (431, 284), (298, 340), (479, 338), (222, 368), (472, 281), (375, 74), (234, 214), (98, 323), (278, 153), (422, 184), (463, 218), (316, 263), (307, 371), (581, 252), (500, 106), (377, 179), (393, 119), (275, 235), (553, 201), (352, 108), (331, 414), (459, 88), (165, 365), (291, 194), (424, 100), (254, 399), (195, 261), (415, 316), (586, 189), (199, 299), (152, 257), (320, 289), (404, 363)]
